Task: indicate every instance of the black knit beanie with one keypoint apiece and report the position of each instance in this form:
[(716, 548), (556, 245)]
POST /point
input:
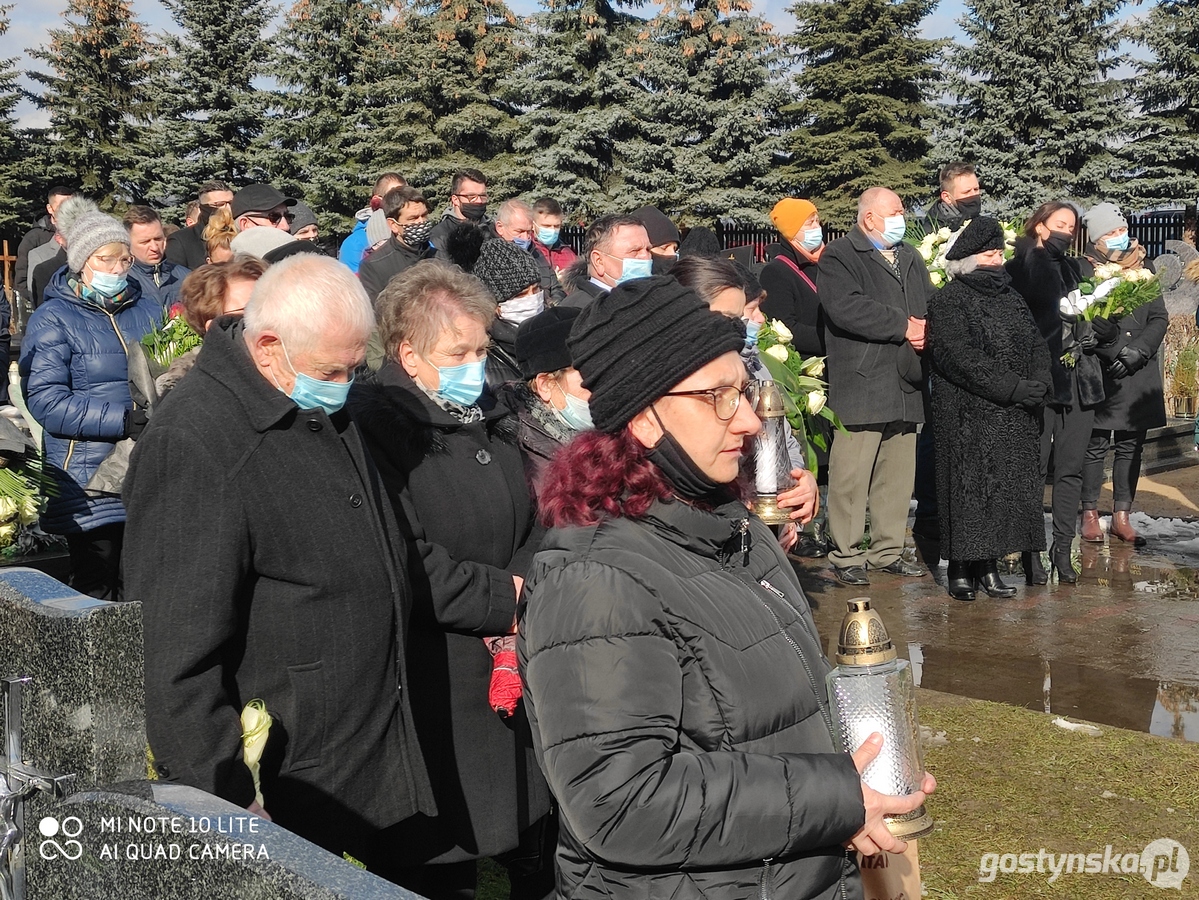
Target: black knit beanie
[(541, 341), (505, 269), (639, 341), (983, 233)]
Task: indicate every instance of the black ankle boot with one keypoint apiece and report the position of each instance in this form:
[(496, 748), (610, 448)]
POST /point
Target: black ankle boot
[(1060, 557), (987, 573), (958, 581), (1034, 572)]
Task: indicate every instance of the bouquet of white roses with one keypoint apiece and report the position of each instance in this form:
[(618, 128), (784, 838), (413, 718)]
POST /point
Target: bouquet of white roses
[(805, 393)]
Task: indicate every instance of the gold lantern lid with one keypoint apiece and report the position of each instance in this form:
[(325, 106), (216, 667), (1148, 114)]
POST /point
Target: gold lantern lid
[(769, 402), (864, 640)]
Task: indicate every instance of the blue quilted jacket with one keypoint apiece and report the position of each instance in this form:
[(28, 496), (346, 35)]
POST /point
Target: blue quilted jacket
[(75, 375), (161, 282)]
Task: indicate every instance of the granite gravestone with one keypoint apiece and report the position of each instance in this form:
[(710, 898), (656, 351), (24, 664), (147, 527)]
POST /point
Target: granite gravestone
[(117, 835)]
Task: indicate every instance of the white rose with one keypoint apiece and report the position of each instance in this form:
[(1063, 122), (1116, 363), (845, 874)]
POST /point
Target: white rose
[(30, 508), (936, 279), (944, 234), (256, 725), (8, 508), (778, 351), (925, 252), (781, 330), (816, 401), (8, 533), (814, 366)]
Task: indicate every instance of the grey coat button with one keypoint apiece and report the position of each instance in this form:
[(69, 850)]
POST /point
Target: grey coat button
[(314, 425), (483, 457), (355, 500)]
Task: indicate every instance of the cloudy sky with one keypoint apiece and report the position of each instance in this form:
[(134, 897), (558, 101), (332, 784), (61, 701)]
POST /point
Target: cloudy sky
[(32, 19)]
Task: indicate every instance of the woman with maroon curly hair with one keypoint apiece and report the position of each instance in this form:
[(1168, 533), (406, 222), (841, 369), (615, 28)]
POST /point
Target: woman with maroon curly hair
[(674, 679)]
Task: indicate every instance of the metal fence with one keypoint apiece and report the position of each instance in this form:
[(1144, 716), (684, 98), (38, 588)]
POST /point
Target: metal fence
[(1152, 230)]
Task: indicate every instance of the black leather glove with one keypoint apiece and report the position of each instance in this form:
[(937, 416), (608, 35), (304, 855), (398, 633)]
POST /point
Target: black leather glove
[(136, 421), (1106, 331), (1029, 394), (1127, 361)]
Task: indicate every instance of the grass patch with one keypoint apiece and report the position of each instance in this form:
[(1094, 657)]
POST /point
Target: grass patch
[(1010, 781)]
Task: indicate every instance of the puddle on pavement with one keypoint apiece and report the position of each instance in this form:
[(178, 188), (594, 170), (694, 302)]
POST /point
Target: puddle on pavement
[(1120, 567), (1063, 688)]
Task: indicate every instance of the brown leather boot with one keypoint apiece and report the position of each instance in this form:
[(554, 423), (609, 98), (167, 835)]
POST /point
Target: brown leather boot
[(1123, 529), (1091, 529)]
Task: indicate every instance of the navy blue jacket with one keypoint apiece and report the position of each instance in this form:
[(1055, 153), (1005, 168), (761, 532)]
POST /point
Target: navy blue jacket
[(160, 283), (75, 375)]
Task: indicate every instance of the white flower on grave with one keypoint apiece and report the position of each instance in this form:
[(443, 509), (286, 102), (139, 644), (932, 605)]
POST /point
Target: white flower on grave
[(256, 725), (816, 401), (778, 351), (781, 330)]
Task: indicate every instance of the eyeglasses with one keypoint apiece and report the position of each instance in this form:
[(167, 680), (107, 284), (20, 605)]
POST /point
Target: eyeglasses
[(123, 261), (725, 400), (273, 216), (474, 198)]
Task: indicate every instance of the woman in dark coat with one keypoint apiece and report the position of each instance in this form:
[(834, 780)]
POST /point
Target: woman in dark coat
[(75, 377), (990, 380), (1135, 400), (1044, 274), (447, 453), (790, 278), (675, 681)]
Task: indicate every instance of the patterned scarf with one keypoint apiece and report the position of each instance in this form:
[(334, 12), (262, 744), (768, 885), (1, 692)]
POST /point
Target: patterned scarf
[(91, 296), (464, 414)]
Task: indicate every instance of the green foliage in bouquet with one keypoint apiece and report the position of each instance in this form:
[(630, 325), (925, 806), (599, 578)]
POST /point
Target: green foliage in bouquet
[(805, 394), (171, 339)]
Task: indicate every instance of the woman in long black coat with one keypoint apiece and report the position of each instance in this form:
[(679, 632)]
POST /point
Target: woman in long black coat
[(448, 455), (1135, 400), (1043, 273), (990, 379)]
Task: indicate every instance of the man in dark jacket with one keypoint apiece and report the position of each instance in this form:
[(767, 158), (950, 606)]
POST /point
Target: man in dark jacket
[(186, 246), (407, 213), (468, 203), (874, 290), (270, 566), (616, 248), (159, 278), (41, 232), (960, 198)]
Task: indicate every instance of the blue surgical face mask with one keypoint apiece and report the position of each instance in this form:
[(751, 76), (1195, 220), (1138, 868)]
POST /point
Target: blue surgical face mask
[(577, 414), (462, 384), (894, 228), (523, 243), (108, 285), (1118, 243), (635, 268), (548, 236), (752, 329), (312, 393), (812, 238)]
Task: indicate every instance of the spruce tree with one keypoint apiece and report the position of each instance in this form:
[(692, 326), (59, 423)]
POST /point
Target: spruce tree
[(861, 114), (1162, 158), (14, 174), (715, 96), (438, 106), (209, 116), (96, 96), (328, 62), (1030, 102), (583, 130)]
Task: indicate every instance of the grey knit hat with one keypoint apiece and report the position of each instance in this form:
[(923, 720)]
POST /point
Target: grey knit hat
[(505, 269), (1102, 219), (302, 216), (86, 230)]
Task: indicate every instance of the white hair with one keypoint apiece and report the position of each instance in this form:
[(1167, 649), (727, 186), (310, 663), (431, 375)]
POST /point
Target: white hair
[(509, 207), (301, 298)]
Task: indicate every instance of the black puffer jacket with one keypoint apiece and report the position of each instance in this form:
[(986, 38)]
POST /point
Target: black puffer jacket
[(679, 713)]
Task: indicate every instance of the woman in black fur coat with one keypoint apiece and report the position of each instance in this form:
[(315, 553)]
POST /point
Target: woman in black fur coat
[(1043, 273), (990, 379), (447, 453)]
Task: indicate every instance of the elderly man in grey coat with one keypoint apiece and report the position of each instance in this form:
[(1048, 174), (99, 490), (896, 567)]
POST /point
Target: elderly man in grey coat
[(270, 567), (874, 290)]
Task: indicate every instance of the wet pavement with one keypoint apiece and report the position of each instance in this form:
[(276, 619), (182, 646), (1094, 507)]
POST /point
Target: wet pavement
[(1120, 647)]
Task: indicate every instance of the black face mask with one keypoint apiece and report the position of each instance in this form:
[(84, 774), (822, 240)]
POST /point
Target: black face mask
[(1058, 243), (663, 264), (988, 279), (688, 480), (970, 208), (473, 211)]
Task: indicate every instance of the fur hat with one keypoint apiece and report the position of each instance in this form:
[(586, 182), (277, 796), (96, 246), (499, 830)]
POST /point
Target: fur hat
[(982, 234)]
